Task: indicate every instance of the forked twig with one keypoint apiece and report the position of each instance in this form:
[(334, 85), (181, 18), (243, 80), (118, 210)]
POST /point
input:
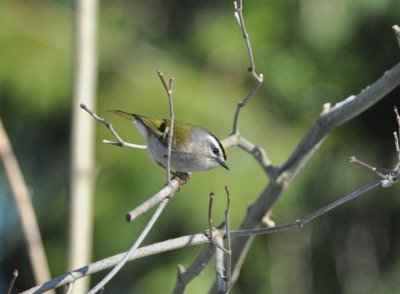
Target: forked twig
[(186, 275), (353, 159), (120, 143), (389, 176)]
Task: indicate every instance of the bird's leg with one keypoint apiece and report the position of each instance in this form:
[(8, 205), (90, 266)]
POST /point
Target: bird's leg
[(181, 177)]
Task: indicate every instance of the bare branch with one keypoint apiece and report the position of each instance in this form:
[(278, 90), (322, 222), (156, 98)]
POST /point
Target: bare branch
[(161, 76), (396, 139), (354, 160), (329, 120), (389, 176), (25, 208), (120, 143), (310, 217), (185, 276), (228, 235), (219, 265), (252, 68), (210, 227), (137, 243), (164, 246), (168, 89)]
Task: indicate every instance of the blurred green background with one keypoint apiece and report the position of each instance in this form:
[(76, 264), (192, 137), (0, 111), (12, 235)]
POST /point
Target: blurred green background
[(310, 52)]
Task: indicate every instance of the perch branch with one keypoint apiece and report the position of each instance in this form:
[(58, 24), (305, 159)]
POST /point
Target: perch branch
[(186, 275), (106, 263), (166, 192)]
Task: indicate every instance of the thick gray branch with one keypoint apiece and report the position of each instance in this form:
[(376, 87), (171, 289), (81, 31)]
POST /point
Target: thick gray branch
[(339, 114)]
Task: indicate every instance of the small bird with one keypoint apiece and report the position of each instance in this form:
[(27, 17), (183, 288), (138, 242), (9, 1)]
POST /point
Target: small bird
[(193, 148)]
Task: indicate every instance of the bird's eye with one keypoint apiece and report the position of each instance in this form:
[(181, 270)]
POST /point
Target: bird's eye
[(215, 151)]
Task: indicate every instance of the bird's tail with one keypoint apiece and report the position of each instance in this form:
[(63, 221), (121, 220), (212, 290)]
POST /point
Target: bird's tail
[(127, 115)]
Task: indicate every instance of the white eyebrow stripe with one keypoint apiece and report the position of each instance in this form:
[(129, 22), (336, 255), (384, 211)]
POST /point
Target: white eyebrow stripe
[(217, 144)]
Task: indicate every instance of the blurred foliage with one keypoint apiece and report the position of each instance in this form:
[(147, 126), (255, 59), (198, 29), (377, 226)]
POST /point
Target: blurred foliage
[(310, 52)]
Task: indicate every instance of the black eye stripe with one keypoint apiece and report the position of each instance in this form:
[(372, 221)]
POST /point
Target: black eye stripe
[(220, 149)]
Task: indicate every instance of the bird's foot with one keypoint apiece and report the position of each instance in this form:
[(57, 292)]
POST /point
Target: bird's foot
[(181, 177)]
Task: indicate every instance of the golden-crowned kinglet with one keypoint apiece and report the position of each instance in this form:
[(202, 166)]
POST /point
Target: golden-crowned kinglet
[(193, 148)]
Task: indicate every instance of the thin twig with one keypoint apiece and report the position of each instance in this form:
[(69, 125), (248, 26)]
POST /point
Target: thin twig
[(120, 143), (210, 204), (308, 218), (191, 240), (389, 176), (228, 235), (355, 160), (30, 227), (396, 139), (13, 279), (210, 227), (171, 129), (252, 68), (326, 123), (160, 74), (168, 89), (137, 243)]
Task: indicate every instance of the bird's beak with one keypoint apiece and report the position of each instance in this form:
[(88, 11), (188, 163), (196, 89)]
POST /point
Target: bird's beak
[(223, 164)]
